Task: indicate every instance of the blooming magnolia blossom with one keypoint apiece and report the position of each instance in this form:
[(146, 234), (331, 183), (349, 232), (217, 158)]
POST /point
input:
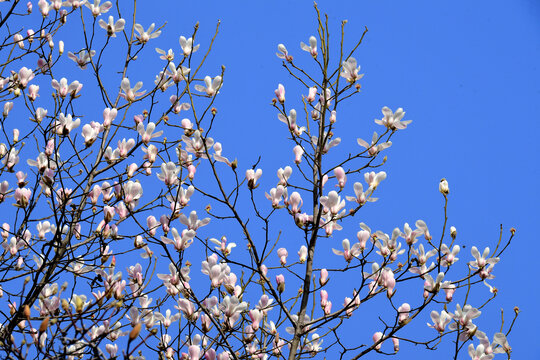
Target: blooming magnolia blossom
[(63, 89), (312, 47), (348, 253), (82, 58), (131, 93), (187, 45), (374, 148), (350, 70), (393, 120), (440, 321), (98, 9), (252, 176), (291, 122), (111, 26), (283, 53), (148, 134), (145, 36), (211, 85)]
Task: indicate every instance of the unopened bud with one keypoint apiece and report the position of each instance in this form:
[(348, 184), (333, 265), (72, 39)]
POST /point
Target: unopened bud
[(135, 332), (443, 187), (453, 232), (214, 111), (60, 47), (513, 231), (65, 305), (44, 325), (26, 312)]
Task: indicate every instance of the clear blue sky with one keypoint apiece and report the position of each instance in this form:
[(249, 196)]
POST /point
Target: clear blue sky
[(465, 72)]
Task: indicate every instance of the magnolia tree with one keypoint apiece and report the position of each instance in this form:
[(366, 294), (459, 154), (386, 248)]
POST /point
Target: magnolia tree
[(114, 238)]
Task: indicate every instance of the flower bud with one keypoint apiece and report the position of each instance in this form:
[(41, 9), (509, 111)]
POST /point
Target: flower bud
[(280, 279), (60, 47), (44, 325), (443, 187), (453, 232), (135, 332), (323, 280)]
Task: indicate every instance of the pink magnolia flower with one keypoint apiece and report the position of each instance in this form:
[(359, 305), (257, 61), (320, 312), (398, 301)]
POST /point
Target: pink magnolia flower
[(18, 39), (340, 176), (211, 85), (378, 339), (373, 179), (276, 195), (348, 253), (332, 203), (350, 70), (63, 89), (323, 280), (98, 9), (464, 316), (169, 173), (439, 320), (7, 108), (145, 36), (130, 93), (82, 58), (450, 257), (312, 47), (403, 312), (180, 241), (280, 93), (65, 123), (187, 46), (280, 281), (111, 26), (482, 260), (33, 92), (327, 144), (393, 120), (298, 152), (22, 196), (181, 199), (284, 175), (13, 245), (500, 339), (132, 193), (218, 157), (295, 201), (311, 94), (193, 222), (256, 318), (169, 55), (291, 122), (374, 148), (449, 289), (222, 245), (177, 74), (283, 53), (302, 254), (252, 176), (282, 254), (25, 75)]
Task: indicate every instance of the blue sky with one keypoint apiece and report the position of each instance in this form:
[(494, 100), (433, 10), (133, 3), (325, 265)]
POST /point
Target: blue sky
[(465, 72)]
